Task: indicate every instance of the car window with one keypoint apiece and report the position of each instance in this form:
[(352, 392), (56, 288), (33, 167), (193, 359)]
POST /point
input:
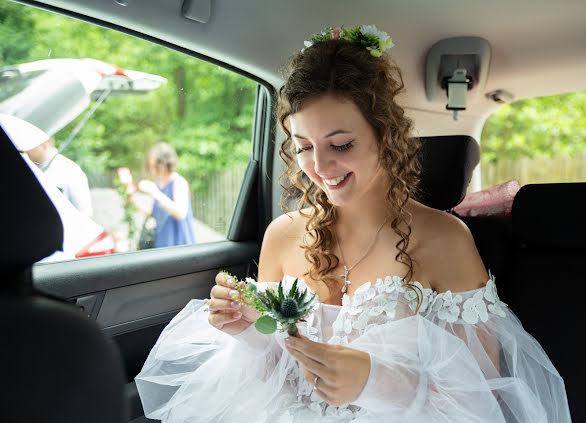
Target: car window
[(537, 140), (148, 144)]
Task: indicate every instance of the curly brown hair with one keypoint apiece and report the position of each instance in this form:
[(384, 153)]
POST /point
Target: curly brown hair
[(348, 71)]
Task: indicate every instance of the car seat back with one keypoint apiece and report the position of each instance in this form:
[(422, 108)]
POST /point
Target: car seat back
[(546, 274), (58, 366)]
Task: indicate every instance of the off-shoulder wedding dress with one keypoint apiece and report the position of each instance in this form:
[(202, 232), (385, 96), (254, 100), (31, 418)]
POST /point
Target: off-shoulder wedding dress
[(462, 357)]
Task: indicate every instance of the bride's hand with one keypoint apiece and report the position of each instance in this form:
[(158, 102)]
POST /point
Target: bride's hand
[(342, 372), (226, 313)]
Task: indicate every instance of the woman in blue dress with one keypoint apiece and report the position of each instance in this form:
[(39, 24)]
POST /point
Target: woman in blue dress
[(172, 200)]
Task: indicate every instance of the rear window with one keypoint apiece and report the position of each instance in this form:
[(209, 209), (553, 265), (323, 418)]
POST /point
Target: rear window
[(537, 140)]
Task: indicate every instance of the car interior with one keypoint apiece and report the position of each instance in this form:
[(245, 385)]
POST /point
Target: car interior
[(80, 330)]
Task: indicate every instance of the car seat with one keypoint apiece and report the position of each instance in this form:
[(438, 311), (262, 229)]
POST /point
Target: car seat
[(545, 277), (57, 365)]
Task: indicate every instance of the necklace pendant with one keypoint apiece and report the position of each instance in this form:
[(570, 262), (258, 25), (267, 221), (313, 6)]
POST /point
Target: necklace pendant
[(345, 287), (346, 281)]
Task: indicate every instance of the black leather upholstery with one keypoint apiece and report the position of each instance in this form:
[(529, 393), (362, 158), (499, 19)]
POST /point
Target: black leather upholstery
[(546, 275), (447, 163), (57, 365)]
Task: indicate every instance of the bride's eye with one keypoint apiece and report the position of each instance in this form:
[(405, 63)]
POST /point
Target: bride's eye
[(301, 149), (344, 147)]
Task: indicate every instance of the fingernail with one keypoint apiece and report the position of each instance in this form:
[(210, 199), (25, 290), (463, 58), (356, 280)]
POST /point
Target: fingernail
[(235, 304), (287, 341), (237, 315), (231, 283), (234, 293)]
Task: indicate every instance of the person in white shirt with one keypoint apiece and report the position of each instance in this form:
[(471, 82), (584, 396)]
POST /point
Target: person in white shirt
[(64, 173)]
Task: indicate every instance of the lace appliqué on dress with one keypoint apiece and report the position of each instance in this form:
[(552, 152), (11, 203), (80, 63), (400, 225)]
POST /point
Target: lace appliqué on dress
[(387, 300), (474, 309), (373, 305)]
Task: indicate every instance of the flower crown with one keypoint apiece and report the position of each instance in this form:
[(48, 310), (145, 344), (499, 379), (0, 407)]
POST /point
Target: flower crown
[(368, 36)]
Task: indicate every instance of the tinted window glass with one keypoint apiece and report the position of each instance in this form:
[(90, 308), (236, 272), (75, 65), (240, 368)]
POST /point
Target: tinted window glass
[(132, 130)]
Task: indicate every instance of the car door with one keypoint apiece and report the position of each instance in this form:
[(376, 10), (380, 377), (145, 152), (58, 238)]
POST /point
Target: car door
[(133, 294)]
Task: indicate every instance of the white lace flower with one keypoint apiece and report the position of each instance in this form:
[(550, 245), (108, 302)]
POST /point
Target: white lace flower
[(497, 309), (411, 296), (353, 311), (446, 306), (392, 287), (381, 300), (490, 293), (361, 322), (376, 311), (475, 308), (389, 309), (379, 285), (370, 293)]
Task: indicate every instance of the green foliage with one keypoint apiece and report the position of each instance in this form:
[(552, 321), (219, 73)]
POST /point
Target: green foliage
[(129, 209), (204, 111), (266, 325), (546, 126), (16, 32)]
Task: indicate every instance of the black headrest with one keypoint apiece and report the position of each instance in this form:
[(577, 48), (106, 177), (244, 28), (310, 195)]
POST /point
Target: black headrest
[(550, 215), (31, 226), (447, 163)]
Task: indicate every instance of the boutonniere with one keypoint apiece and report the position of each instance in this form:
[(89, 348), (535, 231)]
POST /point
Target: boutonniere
[(281, 308)]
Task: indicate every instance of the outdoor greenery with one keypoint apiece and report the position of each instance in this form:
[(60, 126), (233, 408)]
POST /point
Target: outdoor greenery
[(204, 111), (536, 127)]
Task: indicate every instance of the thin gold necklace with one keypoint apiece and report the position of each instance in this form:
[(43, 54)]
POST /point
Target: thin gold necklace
[(347, 269)]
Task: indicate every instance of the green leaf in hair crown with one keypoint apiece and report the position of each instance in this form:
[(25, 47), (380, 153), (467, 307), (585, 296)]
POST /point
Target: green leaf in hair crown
[(278, 308), (367, 36)]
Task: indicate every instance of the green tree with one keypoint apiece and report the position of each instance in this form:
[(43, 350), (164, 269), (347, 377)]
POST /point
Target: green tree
[(16, 33), (545, 126)]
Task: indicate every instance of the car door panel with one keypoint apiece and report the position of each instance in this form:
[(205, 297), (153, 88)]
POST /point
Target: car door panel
[(134, 296)]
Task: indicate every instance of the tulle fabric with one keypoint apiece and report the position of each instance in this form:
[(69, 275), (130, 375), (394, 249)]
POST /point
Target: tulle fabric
[(458, 357)]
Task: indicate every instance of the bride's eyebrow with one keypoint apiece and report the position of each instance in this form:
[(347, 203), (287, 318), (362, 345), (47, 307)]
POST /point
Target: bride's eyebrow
[(331, 134)]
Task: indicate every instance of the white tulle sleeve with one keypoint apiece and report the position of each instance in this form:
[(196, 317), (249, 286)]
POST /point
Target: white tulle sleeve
[(464, 357), (197, 373)]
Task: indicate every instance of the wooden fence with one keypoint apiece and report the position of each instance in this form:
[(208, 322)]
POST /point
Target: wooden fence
[(215, 207), (535, 170)]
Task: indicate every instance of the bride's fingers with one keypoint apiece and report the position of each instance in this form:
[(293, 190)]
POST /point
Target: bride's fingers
[(225, 280), (223, 292), (219, 319), (218, 305), (319, 386)]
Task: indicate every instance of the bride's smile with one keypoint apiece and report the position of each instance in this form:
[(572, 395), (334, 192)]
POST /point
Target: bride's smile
[(337, 149)]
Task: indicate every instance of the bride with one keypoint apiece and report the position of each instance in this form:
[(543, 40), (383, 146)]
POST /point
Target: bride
[(409, 327)]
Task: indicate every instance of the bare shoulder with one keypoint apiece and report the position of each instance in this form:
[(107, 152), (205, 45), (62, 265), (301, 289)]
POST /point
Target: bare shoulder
[(282, 235), (449, 255)]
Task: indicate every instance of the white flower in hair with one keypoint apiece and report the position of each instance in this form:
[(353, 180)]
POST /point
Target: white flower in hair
[(373, 30)]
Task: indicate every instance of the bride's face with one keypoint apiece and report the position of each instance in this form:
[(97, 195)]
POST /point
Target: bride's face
[(337, 149)]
